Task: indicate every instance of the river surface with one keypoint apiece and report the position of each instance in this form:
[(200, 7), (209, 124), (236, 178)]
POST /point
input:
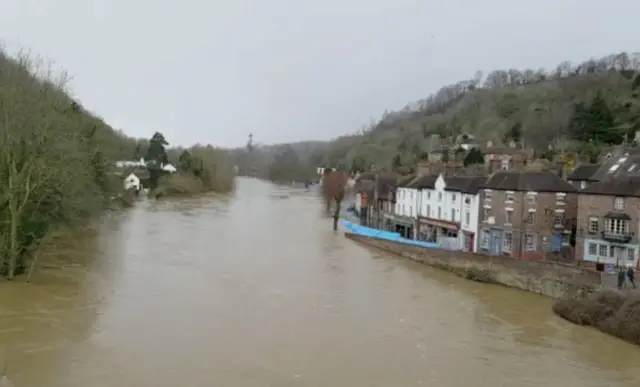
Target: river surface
[(255, 289)]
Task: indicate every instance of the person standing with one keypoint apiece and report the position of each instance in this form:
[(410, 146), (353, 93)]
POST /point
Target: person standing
[(621, 277), (631, 275)]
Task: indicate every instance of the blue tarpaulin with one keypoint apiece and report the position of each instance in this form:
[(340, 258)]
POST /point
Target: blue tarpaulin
[(386, 235)]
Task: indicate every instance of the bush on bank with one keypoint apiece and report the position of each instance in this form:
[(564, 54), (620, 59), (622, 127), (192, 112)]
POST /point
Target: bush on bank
[(201, 169), (614, 312), (54, 159)]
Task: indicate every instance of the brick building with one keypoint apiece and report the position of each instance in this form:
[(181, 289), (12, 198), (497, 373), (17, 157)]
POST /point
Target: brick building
[(504, 159), (528, 215), (608, 216)]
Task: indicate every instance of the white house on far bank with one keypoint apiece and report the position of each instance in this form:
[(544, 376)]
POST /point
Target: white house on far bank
[(132, 181), (169, 168)]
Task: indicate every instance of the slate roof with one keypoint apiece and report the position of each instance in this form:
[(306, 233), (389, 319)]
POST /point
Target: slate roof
[(467, 184), (426, 181), (616, 186), (387, 183), (366, 186), (503, 151), (527, 181), (624, 161), (406, 181), (585, 172)]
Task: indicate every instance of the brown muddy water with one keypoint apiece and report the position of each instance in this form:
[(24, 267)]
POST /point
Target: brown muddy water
[(257, 290)]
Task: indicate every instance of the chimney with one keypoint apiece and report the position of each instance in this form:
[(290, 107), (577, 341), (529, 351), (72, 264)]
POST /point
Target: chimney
[(512, 144), (423, 168), (561, 168), (489, 144)]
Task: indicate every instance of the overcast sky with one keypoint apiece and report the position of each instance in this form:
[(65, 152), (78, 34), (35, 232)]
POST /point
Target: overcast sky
[(287, 70)]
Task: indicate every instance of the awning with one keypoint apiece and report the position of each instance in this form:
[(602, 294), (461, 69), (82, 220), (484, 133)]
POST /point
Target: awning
[(403, 220), (618, 215), (439, 223)]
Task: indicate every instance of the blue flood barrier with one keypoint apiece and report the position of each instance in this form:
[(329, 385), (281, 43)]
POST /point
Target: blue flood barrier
[(386, 235)]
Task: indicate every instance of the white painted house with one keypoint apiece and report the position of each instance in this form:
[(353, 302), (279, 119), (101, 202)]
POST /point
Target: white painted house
[(448, 211), (169, 168), (132, 181), (407, 200)]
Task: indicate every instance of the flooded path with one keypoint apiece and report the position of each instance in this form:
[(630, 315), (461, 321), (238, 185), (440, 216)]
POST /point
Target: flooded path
[(257, 290)]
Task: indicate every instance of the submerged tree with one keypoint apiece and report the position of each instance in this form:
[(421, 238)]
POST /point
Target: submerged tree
[(333, 190)]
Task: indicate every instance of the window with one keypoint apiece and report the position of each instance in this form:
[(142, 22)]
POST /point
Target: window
[(467, 200), (510, 197), (410, 211), (403, 210), (531, 199), (618, 203), (507, 242), (439, 212), (558, 220), (529, 242), (565, 238), (616, 226), (453, 215), (508, 217), (439, 196), (429, 195), (485, 214), (453, 198), (602, 250), (631, 255), (593, 249), (467, 218), (428, 211), (593, 225), (487, 194), (531, 217), (612, 252), (484, 242)]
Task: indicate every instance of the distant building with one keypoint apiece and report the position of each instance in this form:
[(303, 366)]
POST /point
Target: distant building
[(169, 168), (504, 159), (132, 181), (129, 163)]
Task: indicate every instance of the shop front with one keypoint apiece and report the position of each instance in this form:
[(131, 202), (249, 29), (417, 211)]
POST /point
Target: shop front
[(439, 231), (403, 225)]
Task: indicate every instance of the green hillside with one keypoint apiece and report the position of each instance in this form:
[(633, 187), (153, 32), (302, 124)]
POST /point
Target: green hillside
[(538, 107)]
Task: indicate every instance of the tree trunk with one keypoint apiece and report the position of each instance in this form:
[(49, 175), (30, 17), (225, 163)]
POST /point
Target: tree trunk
[(13, 239)]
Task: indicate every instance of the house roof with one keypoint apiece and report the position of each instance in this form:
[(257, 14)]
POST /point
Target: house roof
[(467, 184), (584, 172), (366, 176), (366, 186), (503, 151), (405, 181), (527, 181), (624, 161), (426, 181), (616, 186)]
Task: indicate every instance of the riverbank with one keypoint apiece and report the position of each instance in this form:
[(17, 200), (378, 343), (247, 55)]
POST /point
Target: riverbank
[(611, 311), (545, 278)]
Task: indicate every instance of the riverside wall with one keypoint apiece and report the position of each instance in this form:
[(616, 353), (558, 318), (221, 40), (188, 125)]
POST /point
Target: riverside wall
[(546, 278)]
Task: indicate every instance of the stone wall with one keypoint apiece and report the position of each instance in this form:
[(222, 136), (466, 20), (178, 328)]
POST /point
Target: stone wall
[(550, 279)]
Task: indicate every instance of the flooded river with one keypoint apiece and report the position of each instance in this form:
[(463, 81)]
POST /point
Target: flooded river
[(257, 290)]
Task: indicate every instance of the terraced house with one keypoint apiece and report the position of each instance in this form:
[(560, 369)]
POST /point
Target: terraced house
[(608, 222), (529, 215), (448, 211)]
